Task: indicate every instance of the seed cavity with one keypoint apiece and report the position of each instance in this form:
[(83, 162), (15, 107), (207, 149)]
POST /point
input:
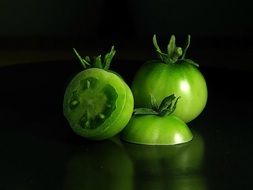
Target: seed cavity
[(74, 101), (101, 116), (93, 116), (88, 83), (87, 124), (108, 105), (83, 121), (74, 104), (112, 96)]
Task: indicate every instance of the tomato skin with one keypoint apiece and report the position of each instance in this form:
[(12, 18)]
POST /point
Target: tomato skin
[(119, 117), (158, 79), (156, 130)]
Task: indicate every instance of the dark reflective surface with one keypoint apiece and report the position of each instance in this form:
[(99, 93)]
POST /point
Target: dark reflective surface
[(169, 167), (103, 165), (39, 150)]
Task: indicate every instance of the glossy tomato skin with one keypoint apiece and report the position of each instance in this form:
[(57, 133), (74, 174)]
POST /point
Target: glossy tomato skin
[(158, 79), (97, 104), (156, 130)]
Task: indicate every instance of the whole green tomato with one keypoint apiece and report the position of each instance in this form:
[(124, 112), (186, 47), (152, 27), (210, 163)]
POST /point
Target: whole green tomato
[(97, 102), (172, 73)]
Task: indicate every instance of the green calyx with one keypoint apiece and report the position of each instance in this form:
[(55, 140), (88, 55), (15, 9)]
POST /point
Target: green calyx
[(97, 61), (174, 54), (166, 107)]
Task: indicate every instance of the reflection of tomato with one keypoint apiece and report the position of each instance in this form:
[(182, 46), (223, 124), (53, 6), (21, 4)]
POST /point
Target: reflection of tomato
[(169, 167), (194, 182), (102, 165), (191, 182), (98, 103), (171, 74), (176, 160)]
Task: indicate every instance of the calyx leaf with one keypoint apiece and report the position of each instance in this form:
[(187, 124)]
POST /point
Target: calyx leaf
[(166, 103), (97, 61), (166, 107), (171, 46), (191, 62), (144, 111), (174, 53)]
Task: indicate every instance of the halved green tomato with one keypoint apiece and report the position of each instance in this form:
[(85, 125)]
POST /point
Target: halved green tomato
[(97, 104), (156, 130)]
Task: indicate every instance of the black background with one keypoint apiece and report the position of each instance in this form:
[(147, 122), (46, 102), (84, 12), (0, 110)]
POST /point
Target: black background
[(98, 19), (63, 24), (221, 30)]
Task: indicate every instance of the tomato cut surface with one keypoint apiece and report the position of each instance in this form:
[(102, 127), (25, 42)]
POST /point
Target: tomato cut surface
[(97, 103)]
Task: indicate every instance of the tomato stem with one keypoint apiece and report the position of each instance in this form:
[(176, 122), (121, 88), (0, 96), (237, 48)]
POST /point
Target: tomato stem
[(85, 62), (174, 55), (108, 58), (187, 45), (171, 46), (97, 61)]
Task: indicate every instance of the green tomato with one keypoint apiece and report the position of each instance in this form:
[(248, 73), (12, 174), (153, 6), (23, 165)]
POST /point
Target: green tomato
[(156, 130), (97, 104), (159, 79), (171, 75)]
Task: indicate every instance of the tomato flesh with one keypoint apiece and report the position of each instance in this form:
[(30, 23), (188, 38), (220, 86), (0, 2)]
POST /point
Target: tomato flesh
[(98, 104), (156, 130)]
